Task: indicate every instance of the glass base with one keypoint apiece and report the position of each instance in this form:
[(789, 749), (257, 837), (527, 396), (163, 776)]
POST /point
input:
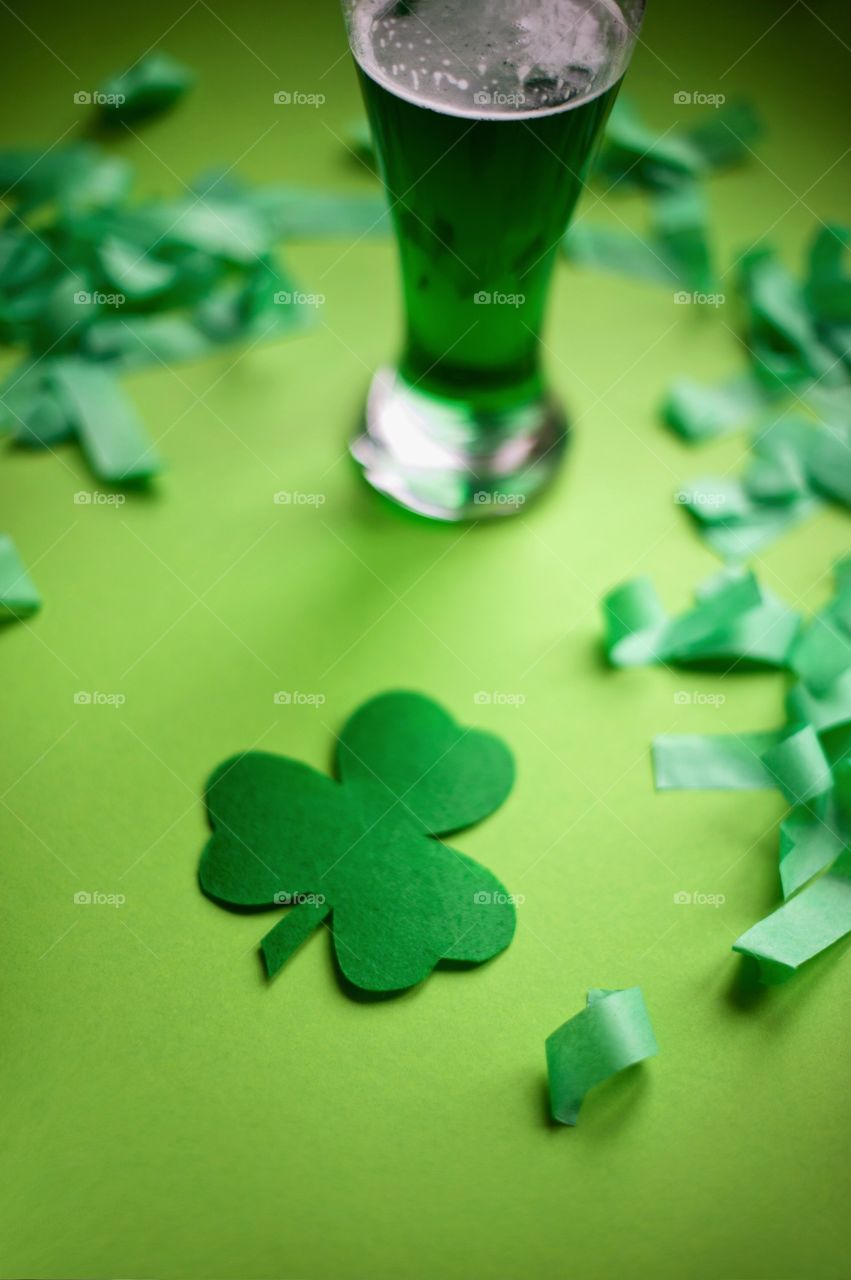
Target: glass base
[(445, 460)]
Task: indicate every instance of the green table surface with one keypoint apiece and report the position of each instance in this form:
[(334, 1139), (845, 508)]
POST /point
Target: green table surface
[(165, 1112)]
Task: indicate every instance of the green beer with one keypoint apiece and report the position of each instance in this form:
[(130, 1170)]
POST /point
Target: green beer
[(484, 115)]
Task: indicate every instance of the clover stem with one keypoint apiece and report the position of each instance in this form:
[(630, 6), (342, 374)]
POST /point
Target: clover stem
[(290, 932)]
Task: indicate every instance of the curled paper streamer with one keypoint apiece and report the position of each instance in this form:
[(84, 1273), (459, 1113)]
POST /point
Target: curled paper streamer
[(809, 923), (613, 1032), (735, 621), (808, 761)]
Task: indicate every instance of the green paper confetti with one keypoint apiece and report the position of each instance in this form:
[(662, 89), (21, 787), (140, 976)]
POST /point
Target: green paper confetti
[(19, 597), (698, 413), (362, 850), (149, 88), (784, 344), (795, 463), (106, 422), (711, 762), (794, 333), (674, 253), (637, 155), (735, 622), (613, 1032), (828, 287), (809, 762), (803, 927)]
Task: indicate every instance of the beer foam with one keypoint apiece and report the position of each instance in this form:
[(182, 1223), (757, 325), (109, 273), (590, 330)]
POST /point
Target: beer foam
[(483, 58)]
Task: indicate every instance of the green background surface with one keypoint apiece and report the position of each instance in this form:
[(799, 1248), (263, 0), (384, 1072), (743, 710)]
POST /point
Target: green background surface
[(167, 1113)]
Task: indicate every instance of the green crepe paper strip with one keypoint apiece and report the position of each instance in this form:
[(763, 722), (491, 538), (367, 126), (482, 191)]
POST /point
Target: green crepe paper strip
[(31, 410), (19, 597), (795, 464), (149, 88), (782, 336), (613, 1032), (828, 286), (639, 156), (794, 333), (803, 927), (303, 213), (735, 622), (711, 762), (809, 761), (363, 850), (72, 179), (698, 413), (109, 429), (829, 464), (675, 253), (822, 652)]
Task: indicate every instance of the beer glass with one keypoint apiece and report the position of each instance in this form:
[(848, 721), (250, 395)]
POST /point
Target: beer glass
[(484, 115)]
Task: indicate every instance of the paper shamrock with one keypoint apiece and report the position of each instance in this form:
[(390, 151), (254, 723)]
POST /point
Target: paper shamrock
[(361, 849)]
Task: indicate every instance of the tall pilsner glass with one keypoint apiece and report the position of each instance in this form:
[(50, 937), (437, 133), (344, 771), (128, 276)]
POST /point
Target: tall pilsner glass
[(484, 115)]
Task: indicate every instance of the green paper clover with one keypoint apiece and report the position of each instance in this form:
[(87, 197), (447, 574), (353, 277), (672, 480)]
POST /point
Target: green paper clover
[(362, 849)]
